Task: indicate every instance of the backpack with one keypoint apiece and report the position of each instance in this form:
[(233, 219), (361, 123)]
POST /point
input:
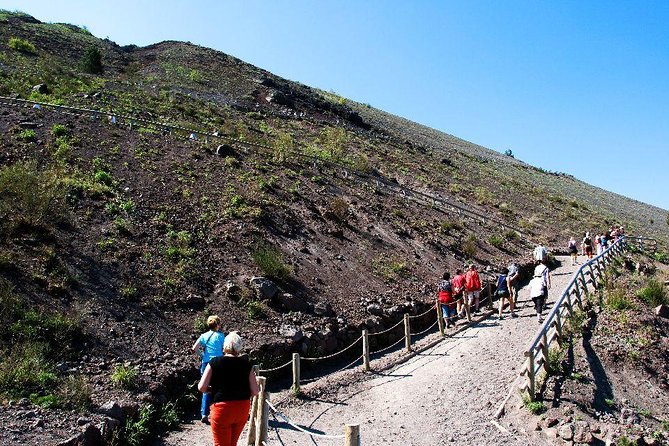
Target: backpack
[(587, 241)]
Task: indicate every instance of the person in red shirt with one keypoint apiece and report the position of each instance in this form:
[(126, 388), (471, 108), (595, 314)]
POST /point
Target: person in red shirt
[(458, 286), (473, 290), (446, 300)]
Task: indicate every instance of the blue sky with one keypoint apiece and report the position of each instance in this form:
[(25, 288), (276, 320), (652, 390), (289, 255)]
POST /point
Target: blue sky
[(570, 86)]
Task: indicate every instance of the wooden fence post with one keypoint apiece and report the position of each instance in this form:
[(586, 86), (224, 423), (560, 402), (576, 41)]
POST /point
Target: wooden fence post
[(251, 434), (558, 324), (407, 332), (296, 373), (352, 435), (440, 317), (262, 413), (365, 351), (530, 373)]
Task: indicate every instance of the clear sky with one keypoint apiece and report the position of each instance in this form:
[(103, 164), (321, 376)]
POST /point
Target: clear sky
[(574, 86)]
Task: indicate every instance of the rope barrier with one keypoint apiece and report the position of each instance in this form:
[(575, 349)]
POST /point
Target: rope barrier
[(369, 335), (426, 330), (320, 358), (383, 350), (336, 371), (432, 308), (301, 429), (275, 368)]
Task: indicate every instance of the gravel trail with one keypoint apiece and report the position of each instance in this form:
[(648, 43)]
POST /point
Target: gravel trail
[(446, 394)]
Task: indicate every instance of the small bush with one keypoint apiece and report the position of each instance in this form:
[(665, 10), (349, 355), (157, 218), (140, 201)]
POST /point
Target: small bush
[(496, 241), (339, 209), (92, 61), (653, 293), (270, 261), (169, 416), (617, 300), (535, 407), (511, 235), (75, 393), (469, 246), (24, 46), (200, 324), (255, 310), (124, 376), (448, 226), (138, 431), (661, 257), (59, 130), (28, 135), (554, 361)]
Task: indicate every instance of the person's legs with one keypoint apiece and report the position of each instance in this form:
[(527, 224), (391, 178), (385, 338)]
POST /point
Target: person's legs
[(239, 416), (476, 299), (468, 305), (221, 428), (204, 407)]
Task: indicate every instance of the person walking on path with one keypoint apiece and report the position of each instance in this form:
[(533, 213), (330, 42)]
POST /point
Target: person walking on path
[(458, 286), (446, 300), (473, 289), (540, 254), (211, 344), (573, 250), (514, 281), (539, 287), (231, 382), (503, 291), (587, 245)]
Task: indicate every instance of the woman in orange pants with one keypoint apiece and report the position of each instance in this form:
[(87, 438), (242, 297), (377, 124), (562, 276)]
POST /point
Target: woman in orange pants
[(231, 381)]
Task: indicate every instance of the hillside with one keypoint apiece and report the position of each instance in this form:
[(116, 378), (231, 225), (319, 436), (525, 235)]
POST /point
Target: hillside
[(117, 239)]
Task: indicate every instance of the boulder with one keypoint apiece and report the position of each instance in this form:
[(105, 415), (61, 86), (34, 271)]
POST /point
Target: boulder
[(265, 288), (566, 431), (41, 88), (279, 98), (583, 433), (323, 309), (372, 322), (112, 410), (662, 311), (233, 291), (375, 309), (293, 303), (225, 150), (291, 332)]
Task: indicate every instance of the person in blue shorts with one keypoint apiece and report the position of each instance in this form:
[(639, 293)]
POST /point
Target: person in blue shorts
[(211, 344)]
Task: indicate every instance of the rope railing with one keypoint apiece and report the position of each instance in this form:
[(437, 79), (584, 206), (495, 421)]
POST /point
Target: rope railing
[(426, 330), (387, 348), (288, 421), (387, 330), (350, 364), (422, 314), (573, 295), (321, 358), (275, 369)]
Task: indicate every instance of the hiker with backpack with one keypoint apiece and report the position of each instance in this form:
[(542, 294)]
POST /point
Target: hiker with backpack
[(473, 289), (211, 344), (446, 300), (503, 291)]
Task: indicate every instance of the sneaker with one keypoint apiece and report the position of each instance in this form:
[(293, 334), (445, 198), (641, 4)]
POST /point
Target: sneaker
[(514, 315), (205, 419), (501, 317), (540, 319)]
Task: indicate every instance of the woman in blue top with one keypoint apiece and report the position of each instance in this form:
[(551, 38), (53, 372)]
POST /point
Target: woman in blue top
[(211, 344)]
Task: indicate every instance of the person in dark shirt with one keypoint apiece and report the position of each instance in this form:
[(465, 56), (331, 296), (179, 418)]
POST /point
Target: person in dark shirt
[(231, 382)]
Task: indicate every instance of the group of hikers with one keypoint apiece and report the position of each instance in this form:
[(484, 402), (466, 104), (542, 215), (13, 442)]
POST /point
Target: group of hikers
[(459, 296)]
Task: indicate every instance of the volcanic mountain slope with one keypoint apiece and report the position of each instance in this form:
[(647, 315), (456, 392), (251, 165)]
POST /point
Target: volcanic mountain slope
[(121, 238)]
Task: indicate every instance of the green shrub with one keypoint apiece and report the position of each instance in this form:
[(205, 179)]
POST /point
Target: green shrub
[(24, 46), (511, 235), (661, 257), (29, 196), (617, 300), (169, 416), (554, 361), (448, 226), (200, 324), (469, 246), (255, 310), (28, 135), (92, 61), (270, 261), (339, 209), (103, 177), (138, 431), (124, 376), (75, 393), (653, 293), (496, 241), (59, 130), (535, 407)]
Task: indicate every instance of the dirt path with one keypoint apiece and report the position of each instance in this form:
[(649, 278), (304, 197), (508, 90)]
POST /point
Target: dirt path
[(447, 394)]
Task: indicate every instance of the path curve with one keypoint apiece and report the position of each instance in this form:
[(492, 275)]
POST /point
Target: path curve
[(446, 394)]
